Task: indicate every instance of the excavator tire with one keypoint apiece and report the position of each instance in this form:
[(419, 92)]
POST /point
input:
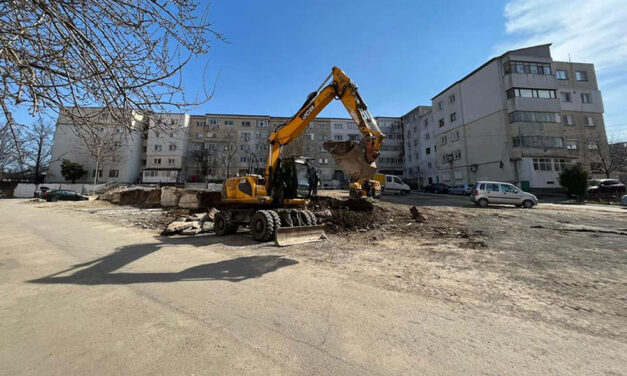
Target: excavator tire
[(312, 218), (277, 218), (222, 224), (262, 226)]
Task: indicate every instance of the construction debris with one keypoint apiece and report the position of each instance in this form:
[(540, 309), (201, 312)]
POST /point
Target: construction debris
[(419, 217), (192, 224)]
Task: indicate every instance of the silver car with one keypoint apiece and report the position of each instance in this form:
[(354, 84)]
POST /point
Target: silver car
[(495, 192)]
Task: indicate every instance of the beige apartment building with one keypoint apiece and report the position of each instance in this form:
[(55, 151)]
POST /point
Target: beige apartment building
[(222, 145), (520, 117)]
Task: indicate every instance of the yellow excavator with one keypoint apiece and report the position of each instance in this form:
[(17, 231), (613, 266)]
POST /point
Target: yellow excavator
[(273, 205)]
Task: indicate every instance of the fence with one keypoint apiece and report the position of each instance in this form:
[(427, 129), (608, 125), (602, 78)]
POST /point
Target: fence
[(25, 190)]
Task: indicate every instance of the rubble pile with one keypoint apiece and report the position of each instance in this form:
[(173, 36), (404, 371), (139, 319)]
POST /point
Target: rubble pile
[(348, 215), (191, 224)]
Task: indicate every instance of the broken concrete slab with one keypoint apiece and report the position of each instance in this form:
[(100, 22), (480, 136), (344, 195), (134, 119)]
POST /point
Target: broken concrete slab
[(190, 231), (170, 196), (211, 214), (175, 227), (207, 226), (189, 200)]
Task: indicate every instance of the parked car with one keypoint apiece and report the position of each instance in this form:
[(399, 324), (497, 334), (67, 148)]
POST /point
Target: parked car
[(64, 195), (392, 184), (623, 200), (495, 192), (436, 188), (461, 189), (40, 192), (606, 186)]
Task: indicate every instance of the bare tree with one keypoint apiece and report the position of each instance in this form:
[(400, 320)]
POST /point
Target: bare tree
[(37, 148), (607, 158), (120, 56), (7, 149), (227, 148)]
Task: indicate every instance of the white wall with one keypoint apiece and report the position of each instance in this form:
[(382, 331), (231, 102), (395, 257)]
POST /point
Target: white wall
[(26, 190)]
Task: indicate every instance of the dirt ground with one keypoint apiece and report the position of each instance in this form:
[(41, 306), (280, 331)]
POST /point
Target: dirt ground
[(538, 265)]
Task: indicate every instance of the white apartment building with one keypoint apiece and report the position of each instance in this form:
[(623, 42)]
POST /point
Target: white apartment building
[(121, 149), (166, 149), (520, 117), (419, 158)]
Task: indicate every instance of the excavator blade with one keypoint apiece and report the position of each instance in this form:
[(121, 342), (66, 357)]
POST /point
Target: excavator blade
[(349, 155), (298, 235)]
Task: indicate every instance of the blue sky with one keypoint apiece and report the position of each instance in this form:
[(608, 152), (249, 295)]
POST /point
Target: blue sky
[(400, 53)]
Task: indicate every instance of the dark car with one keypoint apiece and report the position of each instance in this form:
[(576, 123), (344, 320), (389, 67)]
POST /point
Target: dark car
[(41, 191), (64, 195), (436, 188), (606, 186)]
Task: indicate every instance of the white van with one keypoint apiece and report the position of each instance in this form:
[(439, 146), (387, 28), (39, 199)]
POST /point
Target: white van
[(392, 184)]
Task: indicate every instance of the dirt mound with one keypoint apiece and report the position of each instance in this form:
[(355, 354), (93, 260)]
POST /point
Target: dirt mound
[(353, 214), (141, 197)]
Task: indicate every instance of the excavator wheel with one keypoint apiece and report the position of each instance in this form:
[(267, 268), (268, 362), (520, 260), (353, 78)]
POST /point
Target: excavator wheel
[(222, 224), (277, 218), (311, 218), (262, 226)]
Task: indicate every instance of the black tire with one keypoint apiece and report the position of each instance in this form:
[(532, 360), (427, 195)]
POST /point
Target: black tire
[(312, 218), (262, 226), (527, 204), (54, 198), (222, 224), (277, 219), (482, 202)]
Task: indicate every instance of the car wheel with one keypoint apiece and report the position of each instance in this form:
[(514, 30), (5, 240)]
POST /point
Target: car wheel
[(54, 199), (528, 204), (482, 202)]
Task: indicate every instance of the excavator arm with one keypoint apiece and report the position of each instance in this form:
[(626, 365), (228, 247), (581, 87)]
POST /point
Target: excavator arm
[(356, 160)]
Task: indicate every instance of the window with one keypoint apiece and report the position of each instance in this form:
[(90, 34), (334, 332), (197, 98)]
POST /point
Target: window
[(426, 122), (589, 121), (172, 147), (440, 106), (542, 164), (321, 137), (455, 136), (338, 137), (531, 116), (427, 136), (451, 98), (492, 187), (198, 135), (538, 141), (441, 123), (351, 126), (243, 159), (429, 165), (200, 123), (560, 164), (561, 75), (157, 161), (338, 126), (527, 67), (93, 173), (245, 123), (457, 155), (311, 136), (459, 175), (531, 93), (453, 117), (261, 123), (228, 122), (581, 76), (353, 137), (586, 98), (171, 161), (443, 140), (571, 144), (446, 176), (428, 151), (158, 147), (323, 161), (565, 96), (213, 121), (592, 146), (506, 188), (567, 120)]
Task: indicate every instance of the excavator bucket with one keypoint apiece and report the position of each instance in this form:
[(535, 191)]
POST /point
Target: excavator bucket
[(285, 236), (350, 156)]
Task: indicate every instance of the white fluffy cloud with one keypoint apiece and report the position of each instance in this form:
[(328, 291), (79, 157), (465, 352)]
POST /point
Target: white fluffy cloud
[(588, 31)]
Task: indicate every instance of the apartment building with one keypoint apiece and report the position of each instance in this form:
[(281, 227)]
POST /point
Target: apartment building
[(165, 149), (520, 117), (419, 157), (111, 149)]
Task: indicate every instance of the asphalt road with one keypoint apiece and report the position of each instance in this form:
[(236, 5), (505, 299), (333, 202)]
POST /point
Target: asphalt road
[(79, 296)]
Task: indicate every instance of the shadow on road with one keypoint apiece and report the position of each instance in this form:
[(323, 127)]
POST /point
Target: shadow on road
[(101, 271)]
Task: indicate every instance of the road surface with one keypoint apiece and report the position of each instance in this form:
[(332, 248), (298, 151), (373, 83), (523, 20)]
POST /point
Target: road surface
[(80, 296)]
